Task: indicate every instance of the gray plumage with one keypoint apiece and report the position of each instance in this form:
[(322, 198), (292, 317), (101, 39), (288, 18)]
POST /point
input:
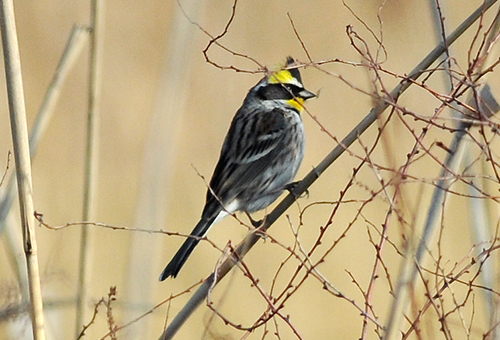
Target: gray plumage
[(260, 156)]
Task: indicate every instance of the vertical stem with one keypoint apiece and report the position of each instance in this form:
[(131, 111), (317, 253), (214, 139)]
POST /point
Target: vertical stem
[(91, 160), (77, 39), (74, 47), (157, 174), (20, 141)]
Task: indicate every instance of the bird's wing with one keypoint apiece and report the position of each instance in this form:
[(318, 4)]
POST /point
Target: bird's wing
[(252, 142)]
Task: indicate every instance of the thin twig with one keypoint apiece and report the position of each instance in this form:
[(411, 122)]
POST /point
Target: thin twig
[(6, 170), (215, 41)]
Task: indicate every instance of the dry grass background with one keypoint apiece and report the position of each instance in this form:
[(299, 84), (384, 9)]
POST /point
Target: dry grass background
[(137, 51)]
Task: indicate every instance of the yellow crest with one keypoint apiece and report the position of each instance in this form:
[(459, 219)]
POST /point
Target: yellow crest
[(285, 76), (281, 77)]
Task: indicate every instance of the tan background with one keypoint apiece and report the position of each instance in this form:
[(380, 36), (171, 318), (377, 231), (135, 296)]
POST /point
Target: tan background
[(137, 56)]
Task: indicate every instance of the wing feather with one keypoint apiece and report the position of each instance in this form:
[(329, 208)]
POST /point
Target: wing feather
[(245, 154)]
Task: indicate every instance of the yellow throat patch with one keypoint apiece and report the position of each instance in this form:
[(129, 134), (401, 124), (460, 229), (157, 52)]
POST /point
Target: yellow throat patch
[(297, 103)]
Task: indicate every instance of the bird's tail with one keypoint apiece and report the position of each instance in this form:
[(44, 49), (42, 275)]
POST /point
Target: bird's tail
[(173, 267)]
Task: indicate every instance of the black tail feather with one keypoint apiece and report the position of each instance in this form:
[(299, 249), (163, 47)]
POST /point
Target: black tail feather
[(175, 265)]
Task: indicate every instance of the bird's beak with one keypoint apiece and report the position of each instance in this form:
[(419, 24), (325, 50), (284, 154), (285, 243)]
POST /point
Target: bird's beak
[(306, 94)]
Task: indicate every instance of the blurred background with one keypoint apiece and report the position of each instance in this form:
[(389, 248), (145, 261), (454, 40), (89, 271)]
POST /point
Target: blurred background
[(164, 112)]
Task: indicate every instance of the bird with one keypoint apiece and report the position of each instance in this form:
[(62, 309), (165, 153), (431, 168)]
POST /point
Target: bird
[(260, 155)]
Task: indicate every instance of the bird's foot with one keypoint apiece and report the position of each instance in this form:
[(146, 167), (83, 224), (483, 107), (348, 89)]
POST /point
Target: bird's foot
[(257, 225), (290, 187)]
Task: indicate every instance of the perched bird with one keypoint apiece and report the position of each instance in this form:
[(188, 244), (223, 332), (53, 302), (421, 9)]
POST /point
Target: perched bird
[(260, 156)]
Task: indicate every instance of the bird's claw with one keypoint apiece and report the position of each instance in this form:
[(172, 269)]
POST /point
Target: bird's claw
[(257, 224), (290, 187)]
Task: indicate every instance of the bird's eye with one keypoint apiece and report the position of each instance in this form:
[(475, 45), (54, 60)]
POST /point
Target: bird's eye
[(293, 89)]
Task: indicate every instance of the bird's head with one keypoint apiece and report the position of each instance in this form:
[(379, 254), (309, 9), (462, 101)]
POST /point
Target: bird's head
[(285, 85)]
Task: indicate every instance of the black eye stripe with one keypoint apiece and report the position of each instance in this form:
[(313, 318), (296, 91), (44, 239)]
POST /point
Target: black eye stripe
[(293, 88), (279, 91)]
